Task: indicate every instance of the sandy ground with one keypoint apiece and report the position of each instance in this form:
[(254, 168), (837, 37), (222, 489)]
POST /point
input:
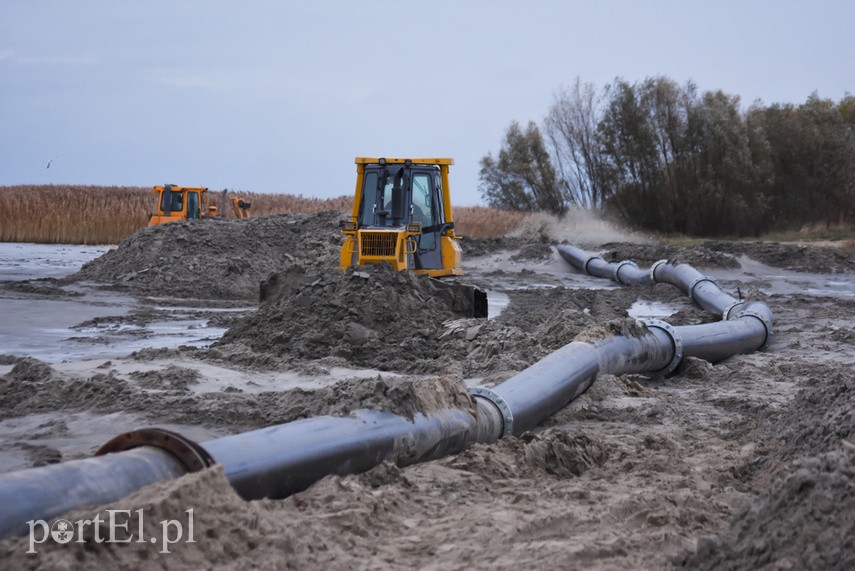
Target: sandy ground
[(745, 463)]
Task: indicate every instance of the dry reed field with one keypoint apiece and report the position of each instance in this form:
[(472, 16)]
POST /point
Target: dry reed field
[(65, 214)]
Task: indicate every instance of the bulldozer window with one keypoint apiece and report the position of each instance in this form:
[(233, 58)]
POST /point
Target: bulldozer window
[(369, 198), (423, 209), (193, 206), (422, 203), (177, 202), (440, 208)]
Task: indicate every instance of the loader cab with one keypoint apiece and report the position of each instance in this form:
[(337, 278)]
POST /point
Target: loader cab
[(402, 215)]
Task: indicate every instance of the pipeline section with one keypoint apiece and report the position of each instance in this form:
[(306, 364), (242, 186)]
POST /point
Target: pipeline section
[(277, 461)]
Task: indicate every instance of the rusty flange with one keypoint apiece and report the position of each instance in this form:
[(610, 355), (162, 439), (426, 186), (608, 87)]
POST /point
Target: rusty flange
[(191, 455)]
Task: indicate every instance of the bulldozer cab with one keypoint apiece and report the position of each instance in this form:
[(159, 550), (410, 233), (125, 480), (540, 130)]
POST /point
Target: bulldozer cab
[(394, 197), (402, 215), (177, 203)]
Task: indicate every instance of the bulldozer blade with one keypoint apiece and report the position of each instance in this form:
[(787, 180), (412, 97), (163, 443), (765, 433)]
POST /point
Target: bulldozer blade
[(466, 300)]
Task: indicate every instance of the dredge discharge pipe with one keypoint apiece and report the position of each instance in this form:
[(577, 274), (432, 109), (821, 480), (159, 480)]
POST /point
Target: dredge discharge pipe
[(277, 461), (270, 462), (746, 325)]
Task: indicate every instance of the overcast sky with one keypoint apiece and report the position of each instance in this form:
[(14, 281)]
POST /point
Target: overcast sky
[(281, 96)]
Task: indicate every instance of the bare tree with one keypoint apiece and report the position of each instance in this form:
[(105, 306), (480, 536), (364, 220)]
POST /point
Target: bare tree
[(571, 126)]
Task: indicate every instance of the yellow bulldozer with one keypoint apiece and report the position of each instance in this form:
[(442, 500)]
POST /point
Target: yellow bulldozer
[(402, 216), (175, 203)]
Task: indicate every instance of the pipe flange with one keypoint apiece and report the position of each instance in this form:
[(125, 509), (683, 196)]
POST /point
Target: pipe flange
[(725, 315), (655, 265), (499, 403), (695, 284), (762, 319), (619, 266), (676, 341), (191, 455), (588, 261)]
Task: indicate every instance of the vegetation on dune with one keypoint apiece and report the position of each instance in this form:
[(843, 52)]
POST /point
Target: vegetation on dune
[(62, 214), (665, 157)]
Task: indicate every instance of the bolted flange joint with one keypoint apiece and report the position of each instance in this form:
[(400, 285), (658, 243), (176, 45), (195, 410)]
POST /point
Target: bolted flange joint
[(191, 455), (676, 342), (619, 266), (497, 401), (695, 283), (763, 320), (653, 268), (726, 314), (588, 261)]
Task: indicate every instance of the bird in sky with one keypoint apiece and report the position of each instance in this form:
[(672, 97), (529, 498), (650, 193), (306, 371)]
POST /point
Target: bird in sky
[(49, 162)]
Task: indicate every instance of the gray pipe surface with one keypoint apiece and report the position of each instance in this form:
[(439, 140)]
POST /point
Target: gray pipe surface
[(280, 460), (49, 491), (752, 321)]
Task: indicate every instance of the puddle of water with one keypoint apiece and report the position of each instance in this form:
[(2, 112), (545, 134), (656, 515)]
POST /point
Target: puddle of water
[(643, 309), (43, 328), (26, 261), (496, 303)]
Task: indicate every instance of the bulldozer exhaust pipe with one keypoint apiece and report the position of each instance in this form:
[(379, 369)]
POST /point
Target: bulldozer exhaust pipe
[(280, 460)]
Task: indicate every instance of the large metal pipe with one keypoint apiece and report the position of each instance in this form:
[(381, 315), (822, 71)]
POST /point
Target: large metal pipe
[(747, 326), (270, 462), (280, 460), (550, 384), (49, 491)]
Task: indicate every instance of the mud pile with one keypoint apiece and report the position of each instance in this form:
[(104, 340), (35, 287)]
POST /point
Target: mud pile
[(214, 259), (374, 318), (805, 518), (397, 321), (803, 521)]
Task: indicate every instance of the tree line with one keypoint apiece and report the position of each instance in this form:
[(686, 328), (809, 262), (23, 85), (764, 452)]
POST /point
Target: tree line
[(663, 156)]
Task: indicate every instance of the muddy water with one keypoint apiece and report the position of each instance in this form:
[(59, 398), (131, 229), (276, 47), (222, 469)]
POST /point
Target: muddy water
[(41, 320)]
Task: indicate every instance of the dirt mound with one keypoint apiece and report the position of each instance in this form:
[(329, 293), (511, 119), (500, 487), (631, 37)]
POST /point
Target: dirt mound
[(16, 385), (46, 287), (397, 321), (803, 521), (626, 327), (562, 453), (375, 317), (33, 387), (172, 378), (215, 260), (820, 415)]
